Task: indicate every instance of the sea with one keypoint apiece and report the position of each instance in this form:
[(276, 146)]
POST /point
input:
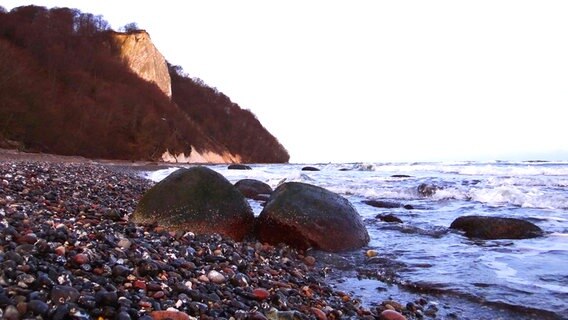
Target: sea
[(422, 258)]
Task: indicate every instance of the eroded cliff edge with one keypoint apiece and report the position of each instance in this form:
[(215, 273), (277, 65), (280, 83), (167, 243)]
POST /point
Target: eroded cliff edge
[(140, 54)]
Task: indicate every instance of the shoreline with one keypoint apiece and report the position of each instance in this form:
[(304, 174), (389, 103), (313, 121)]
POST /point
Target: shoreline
[(99, 195), (68, 249)]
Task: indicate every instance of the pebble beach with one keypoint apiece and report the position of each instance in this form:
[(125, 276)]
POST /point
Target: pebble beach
[(68, 251)]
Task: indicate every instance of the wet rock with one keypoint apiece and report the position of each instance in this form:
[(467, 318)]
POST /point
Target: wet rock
[(171, 315), (38, 307), (389, 218), (427, 190), (310, 168), (382, 204), (400, 176), (252, 188), (482, 227), (260, 294), (239, 167), (304, 216), (198, 200), (371, 253), (391, 315)]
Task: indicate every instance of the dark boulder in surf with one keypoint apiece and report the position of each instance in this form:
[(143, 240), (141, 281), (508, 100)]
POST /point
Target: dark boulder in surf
[(489, 228), (389, 218), (239, 167), (304, 216), (252, 188), (387, 204), (310, 169), (199, 200), (382, 204), (427, 190)]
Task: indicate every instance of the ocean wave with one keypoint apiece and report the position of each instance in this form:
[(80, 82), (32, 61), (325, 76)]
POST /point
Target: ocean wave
[(159, 175)]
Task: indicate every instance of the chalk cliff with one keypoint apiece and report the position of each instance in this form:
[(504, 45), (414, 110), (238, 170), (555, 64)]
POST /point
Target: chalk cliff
[(137, 49)]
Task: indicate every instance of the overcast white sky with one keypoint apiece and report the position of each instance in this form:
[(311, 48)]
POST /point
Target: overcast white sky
[(375, 80)]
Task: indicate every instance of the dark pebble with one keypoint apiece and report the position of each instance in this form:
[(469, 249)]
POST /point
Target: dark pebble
[(120, 271), (64, 294), (106, 298), (11, 313), (38, 307), (148, 268)]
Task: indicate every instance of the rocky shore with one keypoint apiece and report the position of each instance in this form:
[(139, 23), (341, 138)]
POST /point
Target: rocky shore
[(68, 250)]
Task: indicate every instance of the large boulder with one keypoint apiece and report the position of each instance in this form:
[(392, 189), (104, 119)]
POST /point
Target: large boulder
[(303, 216), (197, 199), (252, 188), (496, 228)]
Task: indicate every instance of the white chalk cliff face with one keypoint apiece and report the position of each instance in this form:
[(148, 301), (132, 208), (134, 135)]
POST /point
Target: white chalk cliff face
[(205, 157), (137, 49)]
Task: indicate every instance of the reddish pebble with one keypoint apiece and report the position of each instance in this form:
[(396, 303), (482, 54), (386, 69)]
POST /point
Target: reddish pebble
[(260, 294), (391, 315), (320, 315), (81, 258), (139, 284), (310, 261), (159, 295), (174, 315), (98, 271), (60, 251), (27, 239), (144, 304)]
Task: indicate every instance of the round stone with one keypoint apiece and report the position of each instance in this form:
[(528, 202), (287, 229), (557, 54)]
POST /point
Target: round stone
[(216, 277)]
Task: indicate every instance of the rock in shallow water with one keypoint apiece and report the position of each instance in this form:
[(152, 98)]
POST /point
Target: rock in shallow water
[(303, 215), (252, 188), (489, 228)]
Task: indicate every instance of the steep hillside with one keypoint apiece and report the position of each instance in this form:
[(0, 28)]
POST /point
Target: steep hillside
[(224, 120), (67, 86)]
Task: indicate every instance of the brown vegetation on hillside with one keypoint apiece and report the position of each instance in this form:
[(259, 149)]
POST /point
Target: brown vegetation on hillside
[(64, 90), (224, 120)]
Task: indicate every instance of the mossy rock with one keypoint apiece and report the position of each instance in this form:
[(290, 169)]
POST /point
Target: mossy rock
[(199, 200), (304, 216)]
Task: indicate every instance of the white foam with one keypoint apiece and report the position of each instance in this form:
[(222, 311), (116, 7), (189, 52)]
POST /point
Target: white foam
[(558, 234), (519, 196), (501, 269), (159, 175)]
